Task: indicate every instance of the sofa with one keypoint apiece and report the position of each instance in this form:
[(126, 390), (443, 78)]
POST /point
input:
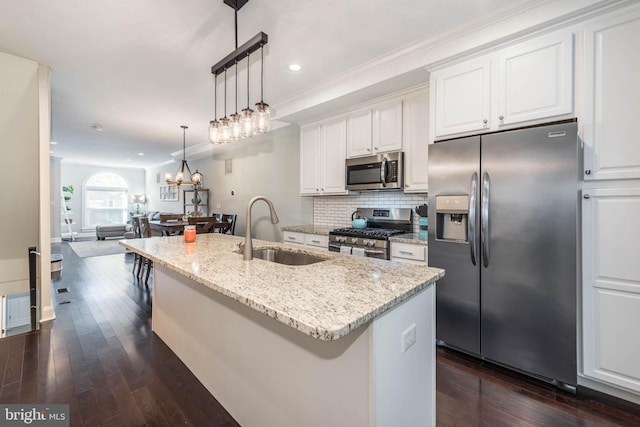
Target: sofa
[(112, 230)]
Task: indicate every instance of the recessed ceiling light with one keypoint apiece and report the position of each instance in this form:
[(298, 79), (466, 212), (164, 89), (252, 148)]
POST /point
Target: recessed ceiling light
[(140, 154), (97, 127), (128, 160), (295, 67), (53, 143)]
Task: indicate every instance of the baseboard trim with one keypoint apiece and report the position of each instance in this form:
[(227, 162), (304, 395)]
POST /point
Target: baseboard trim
[(608, 399), (47, 314), (56, 240)]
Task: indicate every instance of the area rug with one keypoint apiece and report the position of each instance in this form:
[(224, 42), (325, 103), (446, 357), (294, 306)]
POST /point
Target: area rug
[(97, 248)]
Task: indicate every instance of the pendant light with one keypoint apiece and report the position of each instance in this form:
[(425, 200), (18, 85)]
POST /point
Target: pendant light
[(249, 122), (263, 115), (214, 125), (247, 116), (225, 129), (236, 129), (194, 179)]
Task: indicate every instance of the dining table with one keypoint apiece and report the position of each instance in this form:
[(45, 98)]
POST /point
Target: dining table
[(173, 227)]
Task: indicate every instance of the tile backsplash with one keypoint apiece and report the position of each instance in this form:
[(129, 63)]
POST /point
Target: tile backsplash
[(336, 211)]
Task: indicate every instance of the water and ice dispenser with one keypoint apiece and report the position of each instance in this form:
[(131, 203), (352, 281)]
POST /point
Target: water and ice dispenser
[(452, 215)]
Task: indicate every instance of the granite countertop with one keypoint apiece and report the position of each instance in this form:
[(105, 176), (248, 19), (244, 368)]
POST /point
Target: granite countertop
[(414, 238), (309, 229), (325, 300)]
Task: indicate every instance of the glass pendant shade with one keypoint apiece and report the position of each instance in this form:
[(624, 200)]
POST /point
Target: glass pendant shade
[(246, 122), (263, 118), (236, 126), (225, 130), (196, 178), (214, 132)]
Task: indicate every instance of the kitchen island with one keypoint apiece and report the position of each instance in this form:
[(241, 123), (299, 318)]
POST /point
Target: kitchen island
[(328, 343)]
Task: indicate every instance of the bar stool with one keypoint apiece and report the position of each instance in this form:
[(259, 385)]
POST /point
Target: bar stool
[(137, 258), (145, 232)]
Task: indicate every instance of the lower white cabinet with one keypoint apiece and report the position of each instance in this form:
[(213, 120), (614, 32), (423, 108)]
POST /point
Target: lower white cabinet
[(611, 286), (308, 240), (409, 253)]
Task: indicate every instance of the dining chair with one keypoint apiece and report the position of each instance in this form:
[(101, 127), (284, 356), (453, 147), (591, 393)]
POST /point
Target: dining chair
[(170, 217), (229, 221), (204, 224)]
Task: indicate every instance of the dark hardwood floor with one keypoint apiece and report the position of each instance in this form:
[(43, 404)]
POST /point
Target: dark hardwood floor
[(101, 357)]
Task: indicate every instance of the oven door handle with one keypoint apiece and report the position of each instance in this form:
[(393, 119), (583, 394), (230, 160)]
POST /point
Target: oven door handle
[(374, 252)]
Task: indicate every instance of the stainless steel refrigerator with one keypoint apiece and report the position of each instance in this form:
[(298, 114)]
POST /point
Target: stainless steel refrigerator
[(503, 211)]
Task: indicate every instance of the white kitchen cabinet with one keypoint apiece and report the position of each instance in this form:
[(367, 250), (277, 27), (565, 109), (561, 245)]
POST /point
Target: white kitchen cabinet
[(530, 82), (535, 80), (293, 238), (322, 157), (416, 141), (316, 241), (611, 286), (461, 95), (409, 253), (375, 130), (612, 88), (307, 240)]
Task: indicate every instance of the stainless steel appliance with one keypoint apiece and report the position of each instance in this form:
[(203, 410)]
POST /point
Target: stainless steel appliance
[(504, 211), (380, 172), (372, 241)]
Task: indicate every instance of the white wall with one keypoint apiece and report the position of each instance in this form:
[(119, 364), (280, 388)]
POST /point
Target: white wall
[(267, 165), (77, 174), (24, 135)]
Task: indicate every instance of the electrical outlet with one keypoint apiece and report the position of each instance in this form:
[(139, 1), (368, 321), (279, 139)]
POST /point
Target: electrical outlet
[(408, 337), (218, 205)]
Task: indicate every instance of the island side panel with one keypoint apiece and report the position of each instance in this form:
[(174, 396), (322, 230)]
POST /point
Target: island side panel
[(404, 392), (262, 371)]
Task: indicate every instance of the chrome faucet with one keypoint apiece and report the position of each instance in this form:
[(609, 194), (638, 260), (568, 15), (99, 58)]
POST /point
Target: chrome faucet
[(248, 243)]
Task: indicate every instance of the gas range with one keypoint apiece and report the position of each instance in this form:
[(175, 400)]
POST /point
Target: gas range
[(372, 241)]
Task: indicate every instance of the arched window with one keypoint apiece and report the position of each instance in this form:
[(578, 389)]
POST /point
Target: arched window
[(105, 200)]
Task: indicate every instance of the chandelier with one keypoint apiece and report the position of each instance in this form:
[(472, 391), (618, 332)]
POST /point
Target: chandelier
[(248, 122), (194, 179)]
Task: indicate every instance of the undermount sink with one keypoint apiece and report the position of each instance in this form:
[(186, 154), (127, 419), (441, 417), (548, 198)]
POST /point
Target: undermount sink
[(283, 256)]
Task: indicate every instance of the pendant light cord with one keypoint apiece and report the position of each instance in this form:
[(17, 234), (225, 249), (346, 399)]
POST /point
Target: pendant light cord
[(248, 61), (225, 94), (261, 73), (215, 97)]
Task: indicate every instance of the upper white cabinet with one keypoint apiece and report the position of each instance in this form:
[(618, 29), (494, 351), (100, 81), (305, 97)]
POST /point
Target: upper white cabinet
[(462, 97), (527, 83), (322, 155), (611, 286), (612, 88), (415, 130), (375, 130)]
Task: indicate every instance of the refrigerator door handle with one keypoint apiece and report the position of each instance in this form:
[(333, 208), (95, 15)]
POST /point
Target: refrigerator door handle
[(484, 214), (471, 224)]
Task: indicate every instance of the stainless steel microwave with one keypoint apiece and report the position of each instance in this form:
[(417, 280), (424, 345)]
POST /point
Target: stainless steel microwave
[(380, 172)]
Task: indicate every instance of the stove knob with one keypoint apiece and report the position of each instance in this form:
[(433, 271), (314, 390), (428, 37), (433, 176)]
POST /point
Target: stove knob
[(371, 243), (341, 239), (354, 240)]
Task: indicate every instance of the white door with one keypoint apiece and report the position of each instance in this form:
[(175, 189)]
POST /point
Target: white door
[(310, 160), (611, 286), (333, 146), (612, 92), (535, 80), (462, 97)]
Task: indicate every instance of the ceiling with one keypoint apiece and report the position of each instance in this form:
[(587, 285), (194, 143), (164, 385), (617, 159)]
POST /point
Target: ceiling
[(141, 68)]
